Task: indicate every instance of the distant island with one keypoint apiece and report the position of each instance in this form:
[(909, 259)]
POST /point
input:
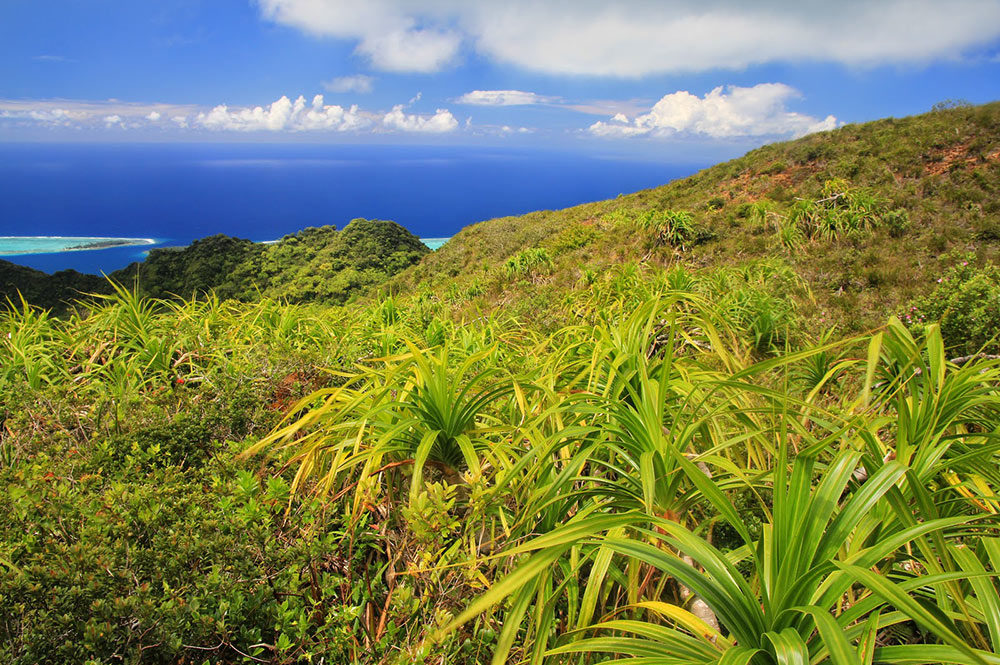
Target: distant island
[(103, 244), (16, 245)]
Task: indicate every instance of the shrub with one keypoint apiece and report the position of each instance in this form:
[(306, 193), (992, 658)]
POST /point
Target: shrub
[(573, 237), (967, 303), (176, 566), (897, 222), (669, 227), (528, 263), (987, 229), (776, 168)]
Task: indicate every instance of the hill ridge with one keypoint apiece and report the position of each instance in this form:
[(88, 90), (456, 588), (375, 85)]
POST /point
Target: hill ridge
[(938, 172)]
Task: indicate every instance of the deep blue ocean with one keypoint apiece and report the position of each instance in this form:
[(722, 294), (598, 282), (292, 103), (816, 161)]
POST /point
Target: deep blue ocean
[(180, 192)]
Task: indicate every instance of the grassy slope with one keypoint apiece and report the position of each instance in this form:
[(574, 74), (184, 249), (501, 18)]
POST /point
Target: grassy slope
[(943, 168)]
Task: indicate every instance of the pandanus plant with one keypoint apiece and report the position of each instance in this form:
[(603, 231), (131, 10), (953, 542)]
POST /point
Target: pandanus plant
[(939, 418), (852, 546), (805, 591), (416, 409), (28, 340)]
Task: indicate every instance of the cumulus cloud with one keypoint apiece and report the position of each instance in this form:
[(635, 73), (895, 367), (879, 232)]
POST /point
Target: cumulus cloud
[(722, 113), (285, 115), (439, 123), (358, 83), (503, 98), (639, 37), (154, 116)]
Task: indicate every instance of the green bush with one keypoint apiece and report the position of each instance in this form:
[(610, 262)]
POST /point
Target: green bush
[(897, 222), (573, 237), (166, 567), (528, 263), (967, 303)]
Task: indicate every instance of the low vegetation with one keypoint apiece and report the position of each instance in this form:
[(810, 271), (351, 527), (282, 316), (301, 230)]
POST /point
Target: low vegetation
[(602, 437), (869, 217)]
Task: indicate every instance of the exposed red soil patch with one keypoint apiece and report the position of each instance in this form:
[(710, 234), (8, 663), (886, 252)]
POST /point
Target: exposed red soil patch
[(755, 185), (957, 157)]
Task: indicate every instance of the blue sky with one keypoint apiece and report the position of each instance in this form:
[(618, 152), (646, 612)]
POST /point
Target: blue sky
[(666, 78)]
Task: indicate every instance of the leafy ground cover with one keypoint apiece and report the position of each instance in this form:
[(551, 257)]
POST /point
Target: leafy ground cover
[(660, 454), (183, 485)]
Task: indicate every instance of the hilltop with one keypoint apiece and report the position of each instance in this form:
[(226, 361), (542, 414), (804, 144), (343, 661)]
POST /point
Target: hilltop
[(868, 217), (317, 264)]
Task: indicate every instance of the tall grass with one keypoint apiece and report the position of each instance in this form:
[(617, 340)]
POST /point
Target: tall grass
[(671, 478), (596, 469)]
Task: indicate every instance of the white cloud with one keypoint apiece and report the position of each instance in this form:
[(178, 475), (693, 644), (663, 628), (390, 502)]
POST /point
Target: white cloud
[(282, 115), (410, 50), (285, 115), (76, 113), (49, 116), (640, 37), (503, 98), (722, 113), (358, 83), (439, 123), (392, 39)]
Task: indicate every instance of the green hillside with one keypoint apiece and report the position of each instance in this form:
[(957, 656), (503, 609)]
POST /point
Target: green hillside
[(320, 265), (45, 290), (748, 418), (868, 216)]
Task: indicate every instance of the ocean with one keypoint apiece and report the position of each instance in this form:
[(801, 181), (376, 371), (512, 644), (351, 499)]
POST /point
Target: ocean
[(175, 193)]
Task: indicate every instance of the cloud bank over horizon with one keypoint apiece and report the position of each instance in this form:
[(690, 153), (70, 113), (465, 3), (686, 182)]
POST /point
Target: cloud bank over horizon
[(634, 38), (726, 112), (281, 115)]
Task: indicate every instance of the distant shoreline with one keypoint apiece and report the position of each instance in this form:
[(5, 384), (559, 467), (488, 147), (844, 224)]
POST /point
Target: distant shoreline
[(35, 245), (434, 244), (26, 245)]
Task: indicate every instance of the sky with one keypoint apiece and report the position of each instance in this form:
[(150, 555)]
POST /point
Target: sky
[(672, 79)]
